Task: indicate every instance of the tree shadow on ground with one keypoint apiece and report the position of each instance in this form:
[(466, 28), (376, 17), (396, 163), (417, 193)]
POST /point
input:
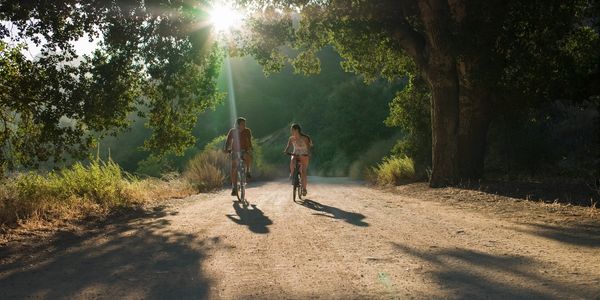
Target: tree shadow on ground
[(135, 257), (335, 213), (562, 192), (468, 274), (253, 217), (581, 235)]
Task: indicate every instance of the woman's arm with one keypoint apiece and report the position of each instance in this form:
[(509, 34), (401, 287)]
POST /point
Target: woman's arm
[(289, 143)]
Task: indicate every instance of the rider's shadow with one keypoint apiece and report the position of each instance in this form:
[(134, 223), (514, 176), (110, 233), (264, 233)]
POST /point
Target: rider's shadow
[(253, 217), (335, 213)]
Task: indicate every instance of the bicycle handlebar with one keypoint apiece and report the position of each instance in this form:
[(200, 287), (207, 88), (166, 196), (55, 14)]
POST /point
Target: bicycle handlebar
[(292, 154)]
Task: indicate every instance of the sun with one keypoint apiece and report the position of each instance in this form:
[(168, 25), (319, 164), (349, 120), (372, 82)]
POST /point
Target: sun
[(224, 18)]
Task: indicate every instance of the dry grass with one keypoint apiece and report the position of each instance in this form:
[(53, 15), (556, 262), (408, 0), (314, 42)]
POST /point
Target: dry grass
[(208, 170), (77, 192), (152, 189)]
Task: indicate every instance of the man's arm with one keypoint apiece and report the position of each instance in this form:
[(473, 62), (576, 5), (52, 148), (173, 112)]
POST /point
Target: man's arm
[(249, 139), (227, 141)]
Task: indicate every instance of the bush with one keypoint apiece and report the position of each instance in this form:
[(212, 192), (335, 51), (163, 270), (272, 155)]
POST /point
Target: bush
[(393, 171), (261, 170), (77, 191), (208, 170)]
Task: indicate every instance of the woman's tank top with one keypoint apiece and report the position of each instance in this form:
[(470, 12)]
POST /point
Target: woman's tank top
[(300, 146)]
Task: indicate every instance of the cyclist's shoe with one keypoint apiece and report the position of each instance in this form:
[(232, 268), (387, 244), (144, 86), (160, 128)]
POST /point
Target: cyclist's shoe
[(233, 192), (304, 192)]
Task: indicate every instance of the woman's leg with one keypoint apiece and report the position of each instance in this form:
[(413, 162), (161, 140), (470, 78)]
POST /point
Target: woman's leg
[(292, 163), (304, 170)]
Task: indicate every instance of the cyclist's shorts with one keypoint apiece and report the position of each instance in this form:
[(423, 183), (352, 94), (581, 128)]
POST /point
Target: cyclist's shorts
[(237, 154)]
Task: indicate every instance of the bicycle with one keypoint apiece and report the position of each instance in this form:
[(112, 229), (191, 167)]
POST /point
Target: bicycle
[(297, 178), (241, 178)]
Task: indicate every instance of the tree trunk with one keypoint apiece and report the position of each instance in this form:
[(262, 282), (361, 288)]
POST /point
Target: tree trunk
[(474, 120), (459, 116), (444, 123)]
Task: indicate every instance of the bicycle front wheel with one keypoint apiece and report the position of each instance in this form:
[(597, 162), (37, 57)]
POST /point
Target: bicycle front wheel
[(294, 192)]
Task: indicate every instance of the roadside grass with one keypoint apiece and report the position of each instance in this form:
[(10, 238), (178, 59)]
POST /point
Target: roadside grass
[(392, 171), (79, 191)]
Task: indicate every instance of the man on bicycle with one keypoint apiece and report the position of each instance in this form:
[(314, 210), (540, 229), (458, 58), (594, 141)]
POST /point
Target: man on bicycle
[(239, 144)]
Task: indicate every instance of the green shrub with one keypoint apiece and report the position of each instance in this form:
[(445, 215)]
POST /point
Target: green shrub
[(99, 184), (393, 171), (154, 166)]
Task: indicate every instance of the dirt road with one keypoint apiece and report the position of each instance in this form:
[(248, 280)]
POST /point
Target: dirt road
[(346, 241)]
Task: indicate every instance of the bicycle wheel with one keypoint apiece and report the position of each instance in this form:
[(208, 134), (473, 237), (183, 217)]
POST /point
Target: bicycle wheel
[(299, 187), (239, 185), (242, 189), (294, 191), (243, 193)]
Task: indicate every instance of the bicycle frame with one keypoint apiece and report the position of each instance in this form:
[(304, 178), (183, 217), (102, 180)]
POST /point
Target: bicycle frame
[(296, 177), (241, 177)]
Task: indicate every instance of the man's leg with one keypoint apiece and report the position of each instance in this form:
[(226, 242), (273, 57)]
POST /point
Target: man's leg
[(248, 162), (233, 177)]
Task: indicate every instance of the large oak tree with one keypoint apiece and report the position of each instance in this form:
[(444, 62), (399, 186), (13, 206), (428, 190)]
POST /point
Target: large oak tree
[(476, 56)]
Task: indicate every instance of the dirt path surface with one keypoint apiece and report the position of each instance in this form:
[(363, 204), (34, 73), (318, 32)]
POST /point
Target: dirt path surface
[(346, 241)]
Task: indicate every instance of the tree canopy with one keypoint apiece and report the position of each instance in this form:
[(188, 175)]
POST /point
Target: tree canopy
[(471, 61), (154, 54)]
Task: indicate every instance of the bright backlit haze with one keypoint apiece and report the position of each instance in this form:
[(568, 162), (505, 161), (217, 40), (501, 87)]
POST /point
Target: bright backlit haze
[(224, 18)]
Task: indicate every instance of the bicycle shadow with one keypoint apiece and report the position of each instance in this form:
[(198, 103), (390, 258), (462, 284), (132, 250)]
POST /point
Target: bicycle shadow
[(353, 218), (252, 217)]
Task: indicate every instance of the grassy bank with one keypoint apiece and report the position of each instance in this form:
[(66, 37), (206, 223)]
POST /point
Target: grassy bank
[(79, 191)]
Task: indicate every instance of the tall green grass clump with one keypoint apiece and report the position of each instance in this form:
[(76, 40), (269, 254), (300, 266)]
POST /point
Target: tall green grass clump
[(102, 185), (393, 171)]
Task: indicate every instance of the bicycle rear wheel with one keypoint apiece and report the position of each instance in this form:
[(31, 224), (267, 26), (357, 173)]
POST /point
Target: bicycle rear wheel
[(243, 194), (297, 186), (240, 186), (238, 192)]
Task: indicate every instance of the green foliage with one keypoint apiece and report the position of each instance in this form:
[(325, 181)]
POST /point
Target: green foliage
[(154, 166), (393, 170), (411, 111), (32, 127), (31, 194), (149, 55), (558, 140), (517, 56), (217, 143)]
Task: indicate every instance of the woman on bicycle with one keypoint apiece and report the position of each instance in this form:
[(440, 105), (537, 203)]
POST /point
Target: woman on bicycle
[(301, 144)]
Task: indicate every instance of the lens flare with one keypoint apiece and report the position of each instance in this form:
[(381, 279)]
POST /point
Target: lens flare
[(224, 17)]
